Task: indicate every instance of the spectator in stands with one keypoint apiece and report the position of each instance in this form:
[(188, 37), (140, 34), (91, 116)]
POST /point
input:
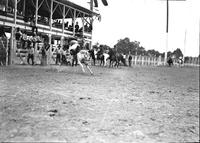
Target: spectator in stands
[(81, 29), (90, 28), (18, 34), (76, 27), (66, 24), (2, 32), (86, 27), (70, 28)]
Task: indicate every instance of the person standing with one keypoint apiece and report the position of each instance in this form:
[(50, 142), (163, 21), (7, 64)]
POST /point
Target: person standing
[(62, 53), (58, 55), (76, 27), (31, 55), (129, 60)]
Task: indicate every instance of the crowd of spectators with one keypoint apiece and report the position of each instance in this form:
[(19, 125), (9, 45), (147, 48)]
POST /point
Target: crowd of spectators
[(87, 27)]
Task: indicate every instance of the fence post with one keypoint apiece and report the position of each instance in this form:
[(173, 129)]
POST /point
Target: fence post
[(195, 61), (149, 61), (132, 60), (135, 59), (6, 51), (142, 60)]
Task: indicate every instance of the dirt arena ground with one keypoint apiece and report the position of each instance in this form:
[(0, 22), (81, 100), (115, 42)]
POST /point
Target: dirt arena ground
[(125, 105)]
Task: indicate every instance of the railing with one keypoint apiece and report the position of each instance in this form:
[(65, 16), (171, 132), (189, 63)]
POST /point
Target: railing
[(159, 61), (146, 61), (42, 27), (192, 61)]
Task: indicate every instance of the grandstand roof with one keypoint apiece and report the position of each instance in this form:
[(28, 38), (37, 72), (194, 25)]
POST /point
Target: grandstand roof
[(44, 10)]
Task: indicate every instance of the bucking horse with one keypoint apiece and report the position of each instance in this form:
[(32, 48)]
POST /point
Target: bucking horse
[(82, 56)]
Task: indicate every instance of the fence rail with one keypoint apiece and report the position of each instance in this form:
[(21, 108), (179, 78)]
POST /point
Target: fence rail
[(159, 61), (146, 61)]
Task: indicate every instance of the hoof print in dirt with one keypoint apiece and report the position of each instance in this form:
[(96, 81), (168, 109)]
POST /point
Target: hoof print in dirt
[(132, 100), (85, 122), (64, 102), (87, 98), (153, 119), (153, 92), (52, 112)]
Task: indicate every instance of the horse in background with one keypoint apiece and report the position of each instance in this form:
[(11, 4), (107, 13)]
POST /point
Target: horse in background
[(170, 61), (102, 56), (93, 55), (99, 55), (116, 58), (81, 56)]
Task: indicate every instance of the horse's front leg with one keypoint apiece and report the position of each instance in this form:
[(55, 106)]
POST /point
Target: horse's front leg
[(117, 63), (94, 61), (101, 62), (104, 62), (81, 65), (110, 63)]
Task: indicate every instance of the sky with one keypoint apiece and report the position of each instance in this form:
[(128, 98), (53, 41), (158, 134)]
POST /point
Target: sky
[(145, 21)]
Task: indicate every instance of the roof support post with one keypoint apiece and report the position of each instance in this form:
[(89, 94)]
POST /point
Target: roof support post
[(91, 5), (49, 53), (24, 6), (167, 24), (6, 6), (91, 22), (73, 21), (63, 20), (51, 15), (36, 13), (83, 24), (167, 28), (12, 39), (10, 58), (50, 36), (62, 41), (15, 13)]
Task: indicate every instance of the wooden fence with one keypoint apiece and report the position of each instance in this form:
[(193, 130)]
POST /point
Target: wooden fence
[(146, 61), (159, 61), (192, 61)]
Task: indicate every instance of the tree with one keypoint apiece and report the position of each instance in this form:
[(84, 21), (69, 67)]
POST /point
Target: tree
[(125, 46), (153, 53), (177, 53), (169, 53)]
